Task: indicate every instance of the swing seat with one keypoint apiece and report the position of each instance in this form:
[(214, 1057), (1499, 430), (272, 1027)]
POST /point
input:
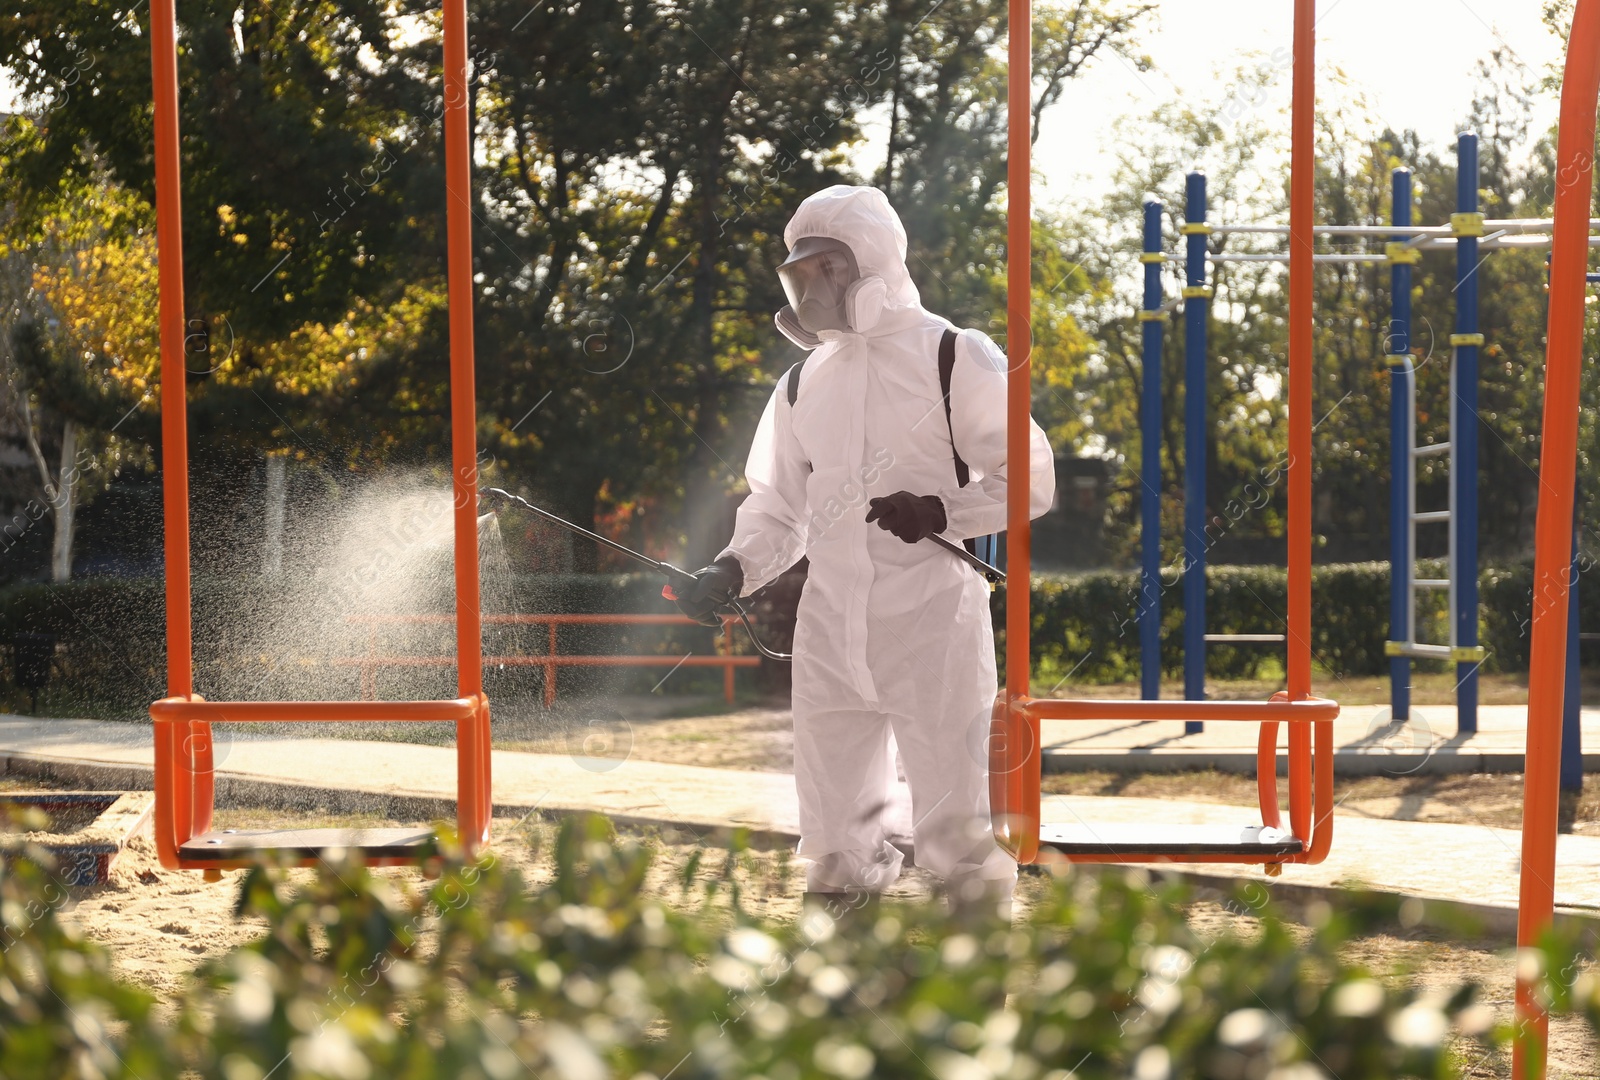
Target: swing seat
[(185, 782), (1014, 788), (1177, 843), (223, 848)]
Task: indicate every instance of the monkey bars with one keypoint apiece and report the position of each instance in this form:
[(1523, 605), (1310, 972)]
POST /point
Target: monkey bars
[(184, 781), (1014, 759)]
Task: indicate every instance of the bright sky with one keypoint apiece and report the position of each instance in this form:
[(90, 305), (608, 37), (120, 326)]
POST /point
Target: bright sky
[(1413, 59)]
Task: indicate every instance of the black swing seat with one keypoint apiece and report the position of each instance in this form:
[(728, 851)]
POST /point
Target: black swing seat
[(1130, 843), (239, 845)]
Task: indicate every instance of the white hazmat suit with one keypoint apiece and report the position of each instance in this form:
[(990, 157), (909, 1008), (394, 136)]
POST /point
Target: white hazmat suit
[(893, 646)]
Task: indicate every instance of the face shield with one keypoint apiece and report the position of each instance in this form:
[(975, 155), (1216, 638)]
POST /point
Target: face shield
[(816, 278)]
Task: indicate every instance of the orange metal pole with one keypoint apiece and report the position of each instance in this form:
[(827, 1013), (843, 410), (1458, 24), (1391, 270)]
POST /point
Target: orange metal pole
[(474, 732), (1267, 771), (202, 776), (1022, 775), (174, 417), (1569, 259), (1302, 163), (463, 389), (1321, 841), (550, 671), (467, 799), (166, 786), (175, 787), (485, 773)]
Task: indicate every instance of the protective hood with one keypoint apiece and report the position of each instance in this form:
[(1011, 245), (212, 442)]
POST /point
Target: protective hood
[(862, 219)]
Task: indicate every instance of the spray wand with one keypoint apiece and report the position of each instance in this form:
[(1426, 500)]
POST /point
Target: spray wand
[(676, 577), (679, 578)]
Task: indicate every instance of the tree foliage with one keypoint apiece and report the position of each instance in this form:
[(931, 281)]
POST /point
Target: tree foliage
[(635, 166)]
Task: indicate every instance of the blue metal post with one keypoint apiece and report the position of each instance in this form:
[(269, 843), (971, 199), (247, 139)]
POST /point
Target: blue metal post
[(1150, 461), (1572, 705), (988, 548), (1398, 356), (1196, 304), (1464, 432)]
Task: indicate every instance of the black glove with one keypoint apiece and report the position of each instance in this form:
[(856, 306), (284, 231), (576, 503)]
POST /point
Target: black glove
[(910, 517), (714, 586)]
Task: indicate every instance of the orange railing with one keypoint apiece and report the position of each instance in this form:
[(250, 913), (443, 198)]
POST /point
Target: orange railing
[(551, 660), (1014, 758), (183, 759)]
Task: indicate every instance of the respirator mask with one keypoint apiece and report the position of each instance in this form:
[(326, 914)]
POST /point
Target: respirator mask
[(826, 292)]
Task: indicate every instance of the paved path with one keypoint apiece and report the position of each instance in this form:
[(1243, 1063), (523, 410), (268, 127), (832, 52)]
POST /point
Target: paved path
[(1368, 744), (1463, 864)]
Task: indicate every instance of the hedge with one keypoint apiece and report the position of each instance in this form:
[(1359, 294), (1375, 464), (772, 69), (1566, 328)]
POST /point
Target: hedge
[(1087, 623), (112, 658)]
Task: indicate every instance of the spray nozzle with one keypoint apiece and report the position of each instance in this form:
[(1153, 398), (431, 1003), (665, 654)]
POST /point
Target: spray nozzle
[(492, 500)]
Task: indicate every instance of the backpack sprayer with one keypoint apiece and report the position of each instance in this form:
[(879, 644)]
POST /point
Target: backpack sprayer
[(679, 578)]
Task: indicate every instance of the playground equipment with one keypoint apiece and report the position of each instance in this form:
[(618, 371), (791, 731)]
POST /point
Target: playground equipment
[(183, 758), (1469, 235), (1014, 761), (1014, 749)]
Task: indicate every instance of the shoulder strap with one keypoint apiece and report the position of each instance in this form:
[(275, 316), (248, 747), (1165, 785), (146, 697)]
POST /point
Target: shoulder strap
[(947, 366), (792, 382)]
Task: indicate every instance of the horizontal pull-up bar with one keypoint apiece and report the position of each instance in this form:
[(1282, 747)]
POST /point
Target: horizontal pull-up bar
[(1269, 257), (1510, 225), (1444, 243), (1337, 230)]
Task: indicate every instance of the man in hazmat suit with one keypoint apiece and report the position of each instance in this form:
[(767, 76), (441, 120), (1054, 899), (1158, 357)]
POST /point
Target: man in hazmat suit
[(857, 458)]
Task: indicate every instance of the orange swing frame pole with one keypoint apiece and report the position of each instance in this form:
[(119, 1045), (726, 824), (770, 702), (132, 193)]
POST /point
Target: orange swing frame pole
[(472, 734), (184, 787), (182, 747), (1015, 764), (1569, 260), (1020, 741), (1310, 787)]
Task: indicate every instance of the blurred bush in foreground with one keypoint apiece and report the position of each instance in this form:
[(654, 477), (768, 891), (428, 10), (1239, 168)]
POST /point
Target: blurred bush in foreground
[(480, 973)]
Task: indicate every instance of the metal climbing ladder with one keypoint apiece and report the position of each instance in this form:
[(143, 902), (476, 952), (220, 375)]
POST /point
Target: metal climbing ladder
[(1460, 515), (1405, 642)]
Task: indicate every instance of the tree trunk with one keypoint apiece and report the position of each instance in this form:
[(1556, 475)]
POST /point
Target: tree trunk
[(276, 497), (65, 504)]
